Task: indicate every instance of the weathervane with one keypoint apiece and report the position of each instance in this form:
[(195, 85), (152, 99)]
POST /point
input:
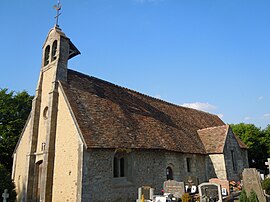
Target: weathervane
[(57, 8)]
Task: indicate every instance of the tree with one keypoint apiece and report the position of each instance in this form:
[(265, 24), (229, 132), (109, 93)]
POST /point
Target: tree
[(257, 143), (14, 110)]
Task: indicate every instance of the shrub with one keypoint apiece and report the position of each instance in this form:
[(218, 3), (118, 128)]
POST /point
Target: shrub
[(266, 185), (253, 197), (243, 196)]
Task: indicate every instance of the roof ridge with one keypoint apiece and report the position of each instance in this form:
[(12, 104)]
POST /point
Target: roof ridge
[(137, 92), (213, 127)]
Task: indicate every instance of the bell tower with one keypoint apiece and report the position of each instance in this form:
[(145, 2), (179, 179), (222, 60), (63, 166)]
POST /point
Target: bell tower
[(56, 52)]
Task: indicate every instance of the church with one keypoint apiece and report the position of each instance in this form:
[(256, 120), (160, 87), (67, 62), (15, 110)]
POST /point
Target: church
[(87, 139)]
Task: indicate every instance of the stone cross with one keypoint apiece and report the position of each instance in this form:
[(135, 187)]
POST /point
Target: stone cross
[(267, 163), (5, 195)]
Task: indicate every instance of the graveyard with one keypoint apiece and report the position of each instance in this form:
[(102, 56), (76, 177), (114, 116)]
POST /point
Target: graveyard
[(253, 187)]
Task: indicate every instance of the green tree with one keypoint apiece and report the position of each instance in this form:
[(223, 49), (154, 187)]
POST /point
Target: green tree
[(14, 110), (257, 143), (6, 183)]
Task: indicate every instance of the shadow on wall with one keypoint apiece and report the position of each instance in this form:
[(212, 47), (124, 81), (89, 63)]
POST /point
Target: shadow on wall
[(210, 169), (21, 193)]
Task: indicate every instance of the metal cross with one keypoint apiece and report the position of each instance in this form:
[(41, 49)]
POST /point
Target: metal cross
[(57, 8)]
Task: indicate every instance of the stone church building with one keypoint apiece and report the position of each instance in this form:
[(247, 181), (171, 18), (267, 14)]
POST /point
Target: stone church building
[(90, 140)]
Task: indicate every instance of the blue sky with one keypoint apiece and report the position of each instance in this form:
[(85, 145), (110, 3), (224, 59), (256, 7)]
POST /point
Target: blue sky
[(213, 55)]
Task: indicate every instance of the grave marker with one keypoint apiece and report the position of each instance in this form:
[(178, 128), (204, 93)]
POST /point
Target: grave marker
[(208, 191), (251, 181), (174, 187), (225, 185), (5, 195), (267, 163)]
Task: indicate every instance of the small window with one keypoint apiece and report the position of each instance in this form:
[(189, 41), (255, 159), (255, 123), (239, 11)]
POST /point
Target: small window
[(45, 112), (169, 173), (233, 160), (188, 165), (54, 50), (47, 55), (119, 165)]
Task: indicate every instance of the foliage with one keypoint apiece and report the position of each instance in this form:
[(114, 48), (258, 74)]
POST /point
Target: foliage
[(258, 142), (186, 197), (253, 197), (266, 185), (6, 183), (243, 196), (14, 110)]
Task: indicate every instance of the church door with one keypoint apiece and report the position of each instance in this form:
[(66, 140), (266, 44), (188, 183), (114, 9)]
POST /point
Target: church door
[(38, 174)]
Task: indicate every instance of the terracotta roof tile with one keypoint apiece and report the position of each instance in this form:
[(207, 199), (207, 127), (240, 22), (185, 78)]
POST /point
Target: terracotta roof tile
[(214, 138), (110, 116)]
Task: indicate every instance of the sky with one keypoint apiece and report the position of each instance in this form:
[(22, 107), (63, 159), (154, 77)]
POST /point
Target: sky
[(212, 55)]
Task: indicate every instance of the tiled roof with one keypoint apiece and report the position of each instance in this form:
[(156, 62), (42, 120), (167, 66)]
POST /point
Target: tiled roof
[(110, 116), (214, 138)]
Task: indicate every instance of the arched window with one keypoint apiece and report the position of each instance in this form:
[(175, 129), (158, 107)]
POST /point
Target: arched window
[(169, 173), (119, 165), (47, 55), (54, 50)]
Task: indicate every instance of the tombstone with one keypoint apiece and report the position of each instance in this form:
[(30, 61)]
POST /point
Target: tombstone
[(147, 192), (225, 185), (160, 198), (251, 181), (5, 195), (210, 192), (267, 163), (177, 189)]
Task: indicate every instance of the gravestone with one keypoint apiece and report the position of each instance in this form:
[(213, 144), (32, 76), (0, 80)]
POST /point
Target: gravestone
[(177, 189), (5, 195), (210, 192), (147, 192), (251, 181), (225, 185), (267, 163)]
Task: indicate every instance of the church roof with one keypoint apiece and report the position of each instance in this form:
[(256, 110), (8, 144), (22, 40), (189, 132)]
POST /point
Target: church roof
[(110, 116), (214, 139)]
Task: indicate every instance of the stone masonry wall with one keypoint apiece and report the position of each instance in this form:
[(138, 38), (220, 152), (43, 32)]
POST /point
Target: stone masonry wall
[(145, 167), (239, 157)]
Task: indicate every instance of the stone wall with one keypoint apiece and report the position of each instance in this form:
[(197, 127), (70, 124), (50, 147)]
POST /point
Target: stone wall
[(235, 158), (216, 166), (67, 165), (145, 167)]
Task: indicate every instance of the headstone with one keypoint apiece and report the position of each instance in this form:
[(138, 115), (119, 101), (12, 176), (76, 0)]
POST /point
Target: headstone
[(267, 163), (174, 187), (210, 192), (225, 185), (160, 199), (5, 195), (147, 193), (251, 181)]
